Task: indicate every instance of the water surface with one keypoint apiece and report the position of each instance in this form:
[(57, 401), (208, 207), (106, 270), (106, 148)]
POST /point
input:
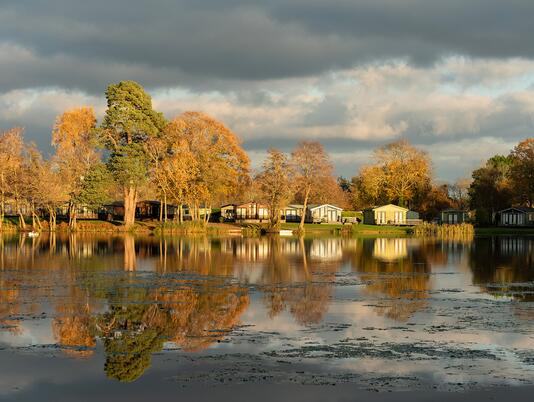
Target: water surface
[(124, 313)]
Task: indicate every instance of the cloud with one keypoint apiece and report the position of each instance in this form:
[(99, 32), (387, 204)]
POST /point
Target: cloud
[(184, 43), (352, 74)]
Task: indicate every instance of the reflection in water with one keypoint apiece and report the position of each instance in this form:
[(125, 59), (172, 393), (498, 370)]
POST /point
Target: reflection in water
[(136, 294), (504, 266), (397, 271)]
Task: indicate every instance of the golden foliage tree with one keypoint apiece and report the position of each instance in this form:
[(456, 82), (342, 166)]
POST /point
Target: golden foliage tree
[(222, 166), (400, 174), (74, 138), (11, 150)]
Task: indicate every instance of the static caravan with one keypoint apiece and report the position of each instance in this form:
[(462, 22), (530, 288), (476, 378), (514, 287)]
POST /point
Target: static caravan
[(325, 213), (252, 212), (453, 216), (516, 216), (390, 215)]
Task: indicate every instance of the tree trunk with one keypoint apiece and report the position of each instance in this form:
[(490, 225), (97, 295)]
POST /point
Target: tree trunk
[(35, 219), (130, 201), (275, 215), (51, 227), (304, 207), (206, 213), (180, 214), (2, 211), (22, 222), (166, 212), (161, 210), (73, 217)]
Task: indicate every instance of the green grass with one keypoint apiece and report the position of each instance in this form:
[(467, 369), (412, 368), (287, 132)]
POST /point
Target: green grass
[(379, 229), (313, 227)]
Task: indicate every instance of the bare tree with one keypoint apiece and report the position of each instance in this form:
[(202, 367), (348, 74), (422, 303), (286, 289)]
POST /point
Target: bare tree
[(275, 183), (312, 168)]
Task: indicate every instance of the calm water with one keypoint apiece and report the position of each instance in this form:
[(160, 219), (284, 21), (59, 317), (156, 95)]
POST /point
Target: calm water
[(125, 313)]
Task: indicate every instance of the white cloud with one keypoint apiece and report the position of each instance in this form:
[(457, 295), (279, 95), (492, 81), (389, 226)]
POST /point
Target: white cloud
[(448, 109)]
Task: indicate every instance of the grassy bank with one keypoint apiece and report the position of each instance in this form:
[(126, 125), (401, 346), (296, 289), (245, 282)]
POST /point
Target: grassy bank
[(316, 228), (350, 229), (362, 229), (503, 231)]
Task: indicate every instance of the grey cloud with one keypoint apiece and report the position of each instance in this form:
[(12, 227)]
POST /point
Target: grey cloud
[(331, 111), (164, 42)]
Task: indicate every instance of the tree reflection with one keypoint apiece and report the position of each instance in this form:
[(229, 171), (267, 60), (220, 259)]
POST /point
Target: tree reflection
[(397, 271), (137, 293), (298, 276), (504, 266)]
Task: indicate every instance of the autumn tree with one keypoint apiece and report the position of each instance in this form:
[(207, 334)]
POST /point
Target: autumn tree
[(400, 174), (11, 149), (522, 172), (407, 170), (490, 190), (75, 139), (221, 164), (435, 200), (29, 185), (459, 193), (369, 188), (157, 152), (275, 183), (180, 169), (48, 189), (173, 169), (312, 167), (129, 122), (330, 192)]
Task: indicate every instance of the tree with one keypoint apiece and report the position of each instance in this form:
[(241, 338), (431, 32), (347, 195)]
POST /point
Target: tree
[(369, 188), (49, 191), (275, 183), (407, 170), (401, 174), (129, 122), (95, 187), (490, 190), (180, 169), (312, 167), (222, 166), (522, 172), (11, 150), (75, 139), (459, 193), (435, 201), (157, 152)]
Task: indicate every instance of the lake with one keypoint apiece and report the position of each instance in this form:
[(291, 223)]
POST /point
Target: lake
[(86, 317)]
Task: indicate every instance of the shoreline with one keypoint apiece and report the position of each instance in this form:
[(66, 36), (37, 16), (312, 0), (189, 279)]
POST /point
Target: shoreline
[(212, 228)]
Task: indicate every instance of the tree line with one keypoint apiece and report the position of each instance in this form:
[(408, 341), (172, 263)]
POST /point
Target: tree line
[(136, 153), (195, 160), (402, 174)]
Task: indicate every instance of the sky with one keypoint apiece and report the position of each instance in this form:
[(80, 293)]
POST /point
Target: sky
[(454, 77)]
